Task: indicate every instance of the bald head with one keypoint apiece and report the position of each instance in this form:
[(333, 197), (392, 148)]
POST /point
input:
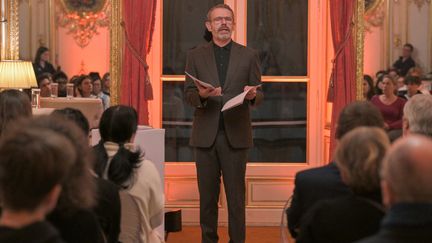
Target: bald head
[(406, 171), (418, 115)]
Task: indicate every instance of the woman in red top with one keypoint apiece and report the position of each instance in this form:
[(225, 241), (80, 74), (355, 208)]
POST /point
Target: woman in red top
[(391, 107)]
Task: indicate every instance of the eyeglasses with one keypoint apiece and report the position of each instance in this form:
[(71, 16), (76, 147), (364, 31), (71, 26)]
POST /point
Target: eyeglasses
[(218, 20)]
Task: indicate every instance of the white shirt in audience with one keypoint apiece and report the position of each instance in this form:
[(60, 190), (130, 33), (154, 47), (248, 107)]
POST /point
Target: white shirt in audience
[(146, 191)]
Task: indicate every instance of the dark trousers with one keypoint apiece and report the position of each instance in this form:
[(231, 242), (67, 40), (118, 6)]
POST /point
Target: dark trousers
[(211, 162)]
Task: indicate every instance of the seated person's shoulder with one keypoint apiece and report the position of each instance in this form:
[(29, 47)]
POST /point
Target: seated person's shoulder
[(317, 172)]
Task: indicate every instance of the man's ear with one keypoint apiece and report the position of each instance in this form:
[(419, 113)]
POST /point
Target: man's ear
[(208, 25), (405, 127), (50, 201), (387, 194)]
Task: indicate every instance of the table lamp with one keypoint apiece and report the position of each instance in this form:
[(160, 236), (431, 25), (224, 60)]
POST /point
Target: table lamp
[(17, 74)]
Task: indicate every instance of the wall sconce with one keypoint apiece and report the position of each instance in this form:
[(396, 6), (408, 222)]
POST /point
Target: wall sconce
[(17, 74)]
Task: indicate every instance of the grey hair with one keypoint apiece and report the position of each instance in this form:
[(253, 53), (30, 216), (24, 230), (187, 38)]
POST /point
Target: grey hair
[(418, 113), (222, 5)]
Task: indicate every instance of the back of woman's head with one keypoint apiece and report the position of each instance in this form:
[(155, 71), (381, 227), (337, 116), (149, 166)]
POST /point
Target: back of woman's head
[(14, 104), (118, 124), (359, 156)]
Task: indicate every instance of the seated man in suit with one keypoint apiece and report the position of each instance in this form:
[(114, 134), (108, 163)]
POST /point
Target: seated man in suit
[(405, 62), (30, 182), (325, 182), (406, 186)]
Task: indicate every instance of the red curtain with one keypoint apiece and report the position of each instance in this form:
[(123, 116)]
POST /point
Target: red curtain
[(138, 25), (343, 83)]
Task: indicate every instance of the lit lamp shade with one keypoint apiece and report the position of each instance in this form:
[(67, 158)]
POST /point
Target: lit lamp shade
[(17, 74)]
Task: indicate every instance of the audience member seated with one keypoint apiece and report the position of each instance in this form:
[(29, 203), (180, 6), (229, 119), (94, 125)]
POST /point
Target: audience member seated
[(44, 84), (62, 79), (405, 62), (41, 62), (380, 73), (368, 87), (73, 216), (84, 87), (34, 163), (316, 184), (106, 83), (120, 162), (379, 84), (412, 87), (393, 73), (401, 87), (107, 207), (97, 90), (406, 185), (14, 104), (418, 116), (426, 84), (391, 108), (415, 71), (346, 219)]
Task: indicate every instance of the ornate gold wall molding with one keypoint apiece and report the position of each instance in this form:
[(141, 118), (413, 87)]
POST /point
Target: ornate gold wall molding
[(419, 3), (115, 50), (10, 28), (359, 45), (83, 22)]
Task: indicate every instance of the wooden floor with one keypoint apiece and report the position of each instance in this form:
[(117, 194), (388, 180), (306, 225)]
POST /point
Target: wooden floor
[(192, 234)]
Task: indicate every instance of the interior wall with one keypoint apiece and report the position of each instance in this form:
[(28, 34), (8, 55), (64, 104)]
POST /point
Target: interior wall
[(38, 26), (76, 60), (390, 27)]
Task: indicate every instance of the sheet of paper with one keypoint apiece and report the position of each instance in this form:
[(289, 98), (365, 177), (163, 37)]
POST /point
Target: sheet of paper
[(199, 82), (239, 99)]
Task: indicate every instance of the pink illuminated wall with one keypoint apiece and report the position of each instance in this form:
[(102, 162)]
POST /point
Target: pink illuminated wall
[(76, 60), (374, 51)]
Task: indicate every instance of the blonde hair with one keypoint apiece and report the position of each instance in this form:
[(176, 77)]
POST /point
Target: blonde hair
[(359, 157)]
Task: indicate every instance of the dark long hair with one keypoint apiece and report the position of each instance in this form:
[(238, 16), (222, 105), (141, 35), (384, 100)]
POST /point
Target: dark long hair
[(118, 124), (370, 83), (39, 53), (79, 81), (14, 104)]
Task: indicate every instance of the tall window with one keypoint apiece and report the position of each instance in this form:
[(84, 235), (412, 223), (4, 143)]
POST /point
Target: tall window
[(277, 30)]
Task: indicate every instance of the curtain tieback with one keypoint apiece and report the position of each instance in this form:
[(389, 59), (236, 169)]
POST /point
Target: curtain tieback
[(148, 87)]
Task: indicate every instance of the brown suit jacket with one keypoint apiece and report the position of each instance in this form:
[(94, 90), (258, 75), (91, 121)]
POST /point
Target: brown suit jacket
[(243, 69)]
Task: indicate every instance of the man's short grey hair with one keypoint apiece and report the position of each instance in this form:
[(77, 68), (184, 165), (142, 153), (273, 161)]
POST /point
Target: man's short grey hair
[(221, 5), (418, 113)]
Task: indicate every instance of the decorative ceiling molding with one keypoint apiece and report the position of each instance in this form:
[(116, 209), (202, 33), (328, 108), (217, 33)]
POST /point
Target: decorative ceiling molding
[(419, 3), (83, 23)]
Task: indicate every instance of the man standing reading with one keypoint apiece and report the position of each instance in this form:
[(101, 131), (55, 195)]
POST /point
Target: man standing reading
[(222, 139)]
